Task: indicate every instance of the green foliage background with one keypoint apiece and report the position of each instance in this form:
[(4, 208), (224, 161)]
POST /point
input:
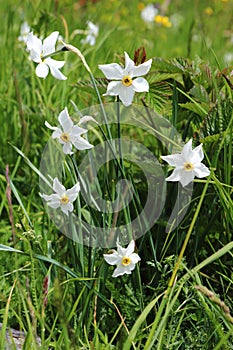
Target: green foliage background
[(190, 85)]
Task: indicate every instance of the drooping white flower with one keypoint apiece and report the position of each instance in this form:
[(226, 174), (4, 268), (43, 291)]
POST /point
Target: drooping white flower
[(124, 258), (92, 33), (69, 134), (39, 53), (187, 164), (62, 198), (125, 85), (24, 31), (148, 13)]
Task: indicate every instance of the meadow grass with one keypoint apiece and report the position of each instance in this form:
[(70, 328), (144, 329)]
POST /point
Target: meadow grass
[(61, 290)]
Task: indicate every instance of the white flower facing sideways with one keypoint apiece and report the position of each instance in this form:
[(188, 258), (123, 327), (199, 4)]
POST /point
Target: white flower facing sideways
[(125, 85), (148, 13), (92, 33), (124, 258), (24, 31), (62, 198), (187, 164), (40, 52), (69, 134)]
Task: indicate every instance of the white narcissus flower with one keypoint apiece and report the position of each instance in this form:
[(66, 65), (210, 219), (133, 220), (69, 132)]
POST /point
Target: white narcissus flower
[(24, 31), (69, 134), (187, 164), (148, 13), (92, 33), (62, 198), (124, 258), (39, 53), (125, 85)]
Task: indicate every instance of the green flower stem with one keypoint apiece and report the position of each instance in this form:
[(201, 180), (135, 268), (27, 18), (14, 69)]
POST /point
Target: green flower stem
[(52, 54), (170, 284), (75, 50), (149, 342)]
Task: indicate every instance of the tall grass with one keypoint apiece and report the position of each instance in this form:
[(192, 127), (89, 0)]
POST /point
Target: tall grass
[(61, 290)]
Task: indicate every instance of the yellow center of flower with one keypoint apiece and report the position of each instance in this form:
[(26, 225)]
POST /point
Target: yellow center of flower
[(65, 137), (64, 200), (125, 261), (188, 166), (127, 80)]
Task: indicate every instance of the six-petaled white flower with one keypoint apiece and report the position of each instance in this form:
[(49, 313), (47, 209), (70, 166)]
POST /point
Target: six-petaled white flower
[(124, 258), (92, 33), (24, 31), (125, 85), (40, 52), (69, 134), (187, 164), (62, 198)]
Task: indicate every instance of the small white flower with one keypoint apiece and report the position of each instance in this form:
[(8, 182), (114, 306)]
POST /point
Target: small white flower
[(39, 53), (92, 33), (124, 85), (124, 258), (69, 134), (62, 198), (148, 13), (24, 31), (187, 164)]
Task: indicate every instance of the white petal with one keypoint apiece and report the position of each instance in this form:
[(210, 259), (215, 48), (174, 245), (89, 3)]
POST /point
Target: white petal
[(93, 28), (65, 120), (130, 248), (47, 197), (187, 151), (142, 69), (135, 258), (186, 177), (49, 43), (67, 207), (35, 56), (121, 270), (112, 259), (126, 94), (174, 160), (140, 85), (82, 144), (73, 192), (58, 187), (200, 170), (42, 70), (197, 154), (77, 131), (114, 88), (90, 39), (34, 43), (54, 63), (129, 65), (54, 70), (57, 135), (54, 204), (67, 148), (175, 176), (51, 127), (112, 71)]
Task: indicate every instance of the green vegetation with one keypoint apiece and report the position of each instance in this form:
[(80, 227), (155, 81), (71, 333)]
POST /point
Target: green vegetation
[(180, 294)]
